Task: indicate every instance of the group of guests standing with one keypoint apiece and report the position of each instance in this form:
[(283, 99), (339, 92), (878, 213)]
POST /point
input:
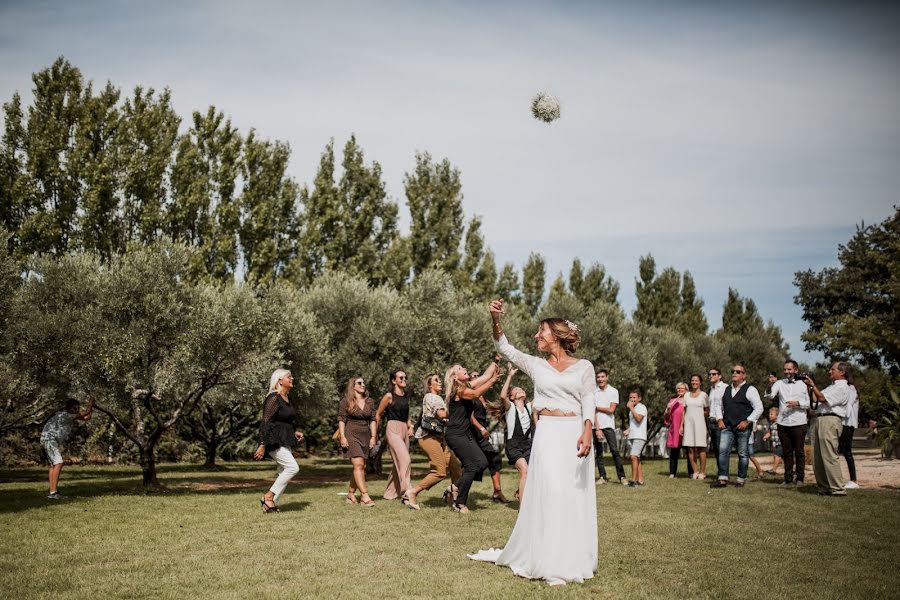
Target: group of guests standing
[(453, 430)]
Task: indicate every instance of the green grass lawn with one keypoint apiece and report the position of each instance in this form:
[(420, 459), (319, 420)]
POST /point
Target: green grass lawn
[(207, 538)]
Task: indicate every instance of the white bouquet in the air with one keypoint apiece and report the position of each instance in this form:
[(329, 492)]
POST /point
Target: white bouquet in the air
[(545, 107)]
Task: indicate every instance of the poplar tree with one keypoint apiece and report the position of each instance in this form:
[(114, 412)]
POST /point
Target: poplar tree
[(268, 204), (533, 281), (48, 210), (508, 284), (434, 197), (204, 210), (97, 157), (146, 143)]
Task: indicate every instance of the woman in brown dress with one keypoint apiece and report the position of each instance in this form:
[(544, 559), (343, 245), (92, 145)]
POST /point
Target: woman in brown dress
[(356, 427)]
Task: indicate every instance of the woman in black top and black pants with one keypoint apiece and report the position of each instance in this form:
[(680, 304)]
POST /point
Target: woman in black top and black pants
[(483, 437), (461, 400), (277, 436)]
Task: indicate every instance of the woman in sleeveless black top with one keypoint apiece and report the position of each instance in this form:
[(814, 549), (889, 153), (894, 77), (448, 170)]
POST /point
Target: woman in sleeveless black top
[(460, 401), (277, 436), (356, 428), (518, 437), (394, 407), (483, 437)]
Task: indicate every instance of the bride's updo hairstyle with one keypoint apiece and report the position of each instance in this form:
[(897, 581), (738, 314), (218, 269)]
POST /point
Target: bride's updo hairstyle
[(566, 332)]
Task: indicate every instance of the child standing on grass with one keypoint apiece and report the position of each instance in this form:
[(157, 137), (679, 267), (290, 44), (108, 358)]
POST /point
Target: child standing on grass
[(57, 431), (772, 437), (637, 436)]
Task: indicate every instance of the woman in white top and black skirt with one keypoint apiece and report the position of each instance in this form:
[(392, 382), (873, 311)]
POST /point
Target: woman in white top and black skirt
[(519, 428), (555, 536)]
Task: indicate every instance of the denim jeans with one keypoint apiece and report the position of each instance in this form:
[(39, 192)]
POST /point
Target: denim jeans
[(728, 438)]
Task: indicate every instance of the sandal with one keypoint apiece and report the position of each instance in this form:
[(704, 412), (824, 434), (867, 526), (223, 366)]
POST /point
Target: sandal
[(351, 499), (499, 498), (460, 508), (365, 500), (406, 501), (448, 495), (267, 508)]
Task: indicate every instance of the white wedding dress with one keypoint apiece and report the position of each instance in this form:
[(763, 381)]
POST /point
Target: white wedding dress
[(555, 536)]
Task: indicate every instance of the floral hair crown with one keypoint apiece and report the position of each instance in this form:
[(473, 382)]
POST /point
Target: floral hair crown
[(571, 325)]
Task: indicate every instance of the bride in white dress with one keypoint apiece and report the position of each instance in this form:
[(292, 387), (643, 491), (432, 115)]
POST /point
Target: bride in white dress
[(555, 536)]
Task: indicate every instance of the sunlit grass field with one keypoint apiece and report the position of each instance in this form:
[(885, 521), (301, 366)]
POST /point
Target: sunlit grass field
[(207, 537)]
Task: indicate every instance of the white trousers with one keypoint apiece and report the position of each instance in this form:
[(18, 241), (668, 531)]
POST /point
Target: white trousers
[(287, 468)]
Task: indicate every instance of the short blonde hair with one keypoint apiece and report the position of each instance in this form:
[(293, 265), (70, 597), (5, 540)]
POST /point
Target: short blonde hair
[(277, 375)]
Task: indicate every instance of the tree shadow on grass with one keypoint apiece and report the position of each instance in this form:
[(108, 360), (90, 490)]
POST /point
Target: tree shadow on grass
[(75, 491)]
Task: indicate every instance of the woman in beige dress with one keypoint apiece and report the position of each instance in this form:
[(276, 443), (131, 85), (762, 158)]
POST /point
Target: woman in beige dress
[(696, 411)]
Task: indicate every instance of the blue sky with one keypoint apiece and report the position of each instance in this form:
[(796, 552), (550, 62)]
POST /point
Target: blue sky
[(740, 141)]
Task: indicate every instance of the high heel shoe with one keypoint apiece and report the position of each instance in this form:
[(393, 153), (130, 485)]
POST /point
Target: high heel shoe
[(366, 500), (404, 499), (448, 495), (460, 508), (268, 508)]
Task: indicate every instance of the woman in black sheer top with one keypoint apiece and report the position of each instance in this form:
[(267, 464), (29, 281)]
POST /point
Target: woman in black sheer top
[(277, 436)]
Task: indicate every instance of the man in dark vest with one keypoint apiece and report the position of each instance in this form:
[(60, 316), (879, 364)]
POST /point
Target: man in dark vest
[(741, 405)]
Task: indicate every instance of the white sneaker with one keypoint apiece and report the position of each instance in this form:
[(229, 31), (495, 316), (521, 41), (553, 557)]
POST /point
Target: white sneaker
[(851, 485), (601, 481)]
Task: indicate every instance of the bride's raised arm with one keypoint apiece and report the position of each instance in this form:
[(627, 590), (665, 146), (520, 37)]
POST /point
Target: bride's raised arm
[(526, 362)]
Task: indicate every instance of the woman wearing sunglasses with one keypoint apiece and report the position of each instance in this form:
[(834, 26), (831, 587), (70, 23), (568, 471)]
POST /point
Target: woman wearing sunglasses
[(356, 427), (394, 407)]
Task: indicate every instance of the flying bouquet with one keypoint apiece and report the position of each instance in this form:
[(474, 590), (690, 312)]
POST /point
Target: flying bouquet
[(545, 108)]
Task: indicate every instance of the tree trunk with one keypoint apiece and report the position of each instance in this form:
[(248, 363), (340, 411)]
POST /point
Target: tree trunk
[(148, 466), (212, 448)]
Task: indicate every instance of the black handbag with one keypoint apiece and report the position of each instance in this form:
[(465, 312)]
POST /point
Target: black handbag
[(433, 425)]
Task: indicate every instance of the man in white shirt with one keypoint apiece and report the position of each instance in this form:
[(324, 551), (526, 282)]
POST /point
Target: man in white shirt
[(606, 400), (740, 407), (716, 390), (851, 421), (793, 402), (830, 414)]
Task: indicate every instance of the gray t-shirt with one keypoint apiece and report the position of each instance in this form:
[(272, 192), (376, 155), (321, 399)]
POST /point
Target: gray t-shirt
[(60, 426)]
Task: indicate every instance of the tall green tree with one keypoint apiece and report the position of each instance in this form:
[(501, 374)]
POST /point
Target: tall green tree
[(268, 201), (592, 285), (852, 309), (658, 295), (146, 146), (204, 211), (14, 184), (508, 284), (434, 197), (48, 213), (349, 226), (533, 280), (97, 158), (668, 299)]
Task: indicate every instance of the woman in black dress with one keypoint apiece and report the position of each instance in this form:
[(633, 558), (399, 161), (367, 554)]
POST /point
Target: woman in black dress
[(356, 428), (519, 429), (461, 394), (277, 436)]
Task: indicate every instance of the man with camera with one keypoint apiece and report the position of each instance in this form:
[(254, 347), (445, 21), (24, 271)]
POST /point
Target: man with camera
[(793, 402), (830, 415), (740, 407)]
